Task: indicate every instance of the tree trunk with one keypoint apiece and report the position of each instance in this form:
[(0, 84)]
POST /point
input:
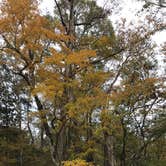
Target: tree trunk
[(44, 123), (109, 159), (123, 154), (41, 136), (90, 157), (29, 128)]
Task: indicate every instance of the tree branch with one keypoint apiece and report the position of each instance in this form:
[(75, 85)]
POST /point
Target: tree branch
[(60, 14)]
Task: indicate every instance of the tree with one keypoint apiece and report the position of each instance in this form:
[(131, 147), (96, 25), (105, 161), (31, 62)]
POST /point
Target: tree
[(160, 3), (26, 36)]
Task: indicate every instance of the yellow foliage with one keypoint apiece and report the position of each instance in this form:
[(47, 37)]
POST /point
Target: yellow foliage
[(141, 88), (56, 59), (96, 78), (77, 162), (80, 58), (51, 72), (38, 114), (49, 89)]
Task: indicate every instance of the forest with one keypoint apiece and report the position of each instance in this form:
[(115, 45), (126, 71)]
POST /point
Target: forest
[(77, 89)]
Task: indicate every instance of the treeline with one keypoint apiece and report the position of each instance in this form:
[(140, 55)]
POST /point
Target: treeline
[(76, 91)]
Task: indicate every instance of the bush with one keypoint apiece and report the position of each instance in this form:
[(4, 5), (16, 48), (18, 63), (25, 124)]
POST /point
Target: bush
[(77, 162)]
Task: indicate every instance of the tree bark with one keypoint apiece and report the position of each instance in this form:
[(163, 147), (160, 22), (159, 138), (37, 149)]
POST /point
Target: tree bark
[(44, 123), (109, 159), (90, 157), (123, 154)]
